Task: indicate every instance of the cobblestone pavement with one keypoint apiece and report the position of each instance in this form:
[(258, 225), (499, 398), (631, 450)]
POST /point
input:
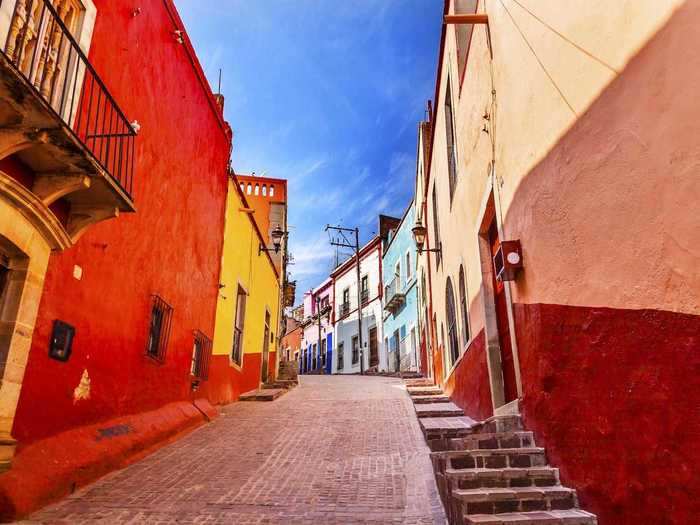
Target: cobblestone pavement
[(337, 449)]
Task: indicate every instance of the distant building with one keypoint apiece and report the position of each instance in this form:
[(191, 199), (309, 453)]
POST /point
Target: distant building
[(291, 340), (317, 342), (349, 351), (400, 295)]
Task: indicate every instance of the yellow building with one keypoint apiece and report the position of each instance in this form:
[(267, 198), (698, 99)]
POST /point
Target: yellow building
[(247, 311)]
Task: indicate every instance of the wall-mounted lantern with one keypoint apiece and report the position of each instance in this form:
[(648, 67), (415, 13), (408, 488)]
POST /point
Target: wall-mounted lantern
[(508, 260), (419, 233), (277, 235)]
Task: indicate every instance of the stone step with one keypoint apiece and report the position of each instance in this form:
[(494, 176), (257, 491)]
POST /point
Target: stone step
[(497, 424), (439, 430), (515, 439), (418, 382), (438, 410), (552, 517), (424, 390), (430, 399), (502, 477), (489, 458), (263, 394), (499, 500)]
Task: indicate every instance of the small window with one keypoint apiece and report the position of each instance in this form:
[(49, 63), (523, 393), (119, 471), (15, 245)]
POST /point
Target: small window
[(159, 329), (341, 356), (355, 350), (201, 355), (453, 338), (250, 188), (409, 271), (264, 190), (451, 142), (364, 289), (436, 228), (237, 349), (257, 189), (463, 305), (272, 191)]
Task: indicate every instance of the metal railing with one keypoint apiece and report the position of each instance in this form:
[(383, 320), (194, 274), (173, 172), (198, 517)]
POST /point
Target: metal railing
[(364, 296), (44, 52), (344, 309), (392, 290)]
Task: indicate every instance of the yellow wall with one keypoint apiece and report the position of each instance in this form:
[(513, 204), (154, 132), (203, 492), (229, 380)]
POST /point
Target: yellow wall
[(241, 265)]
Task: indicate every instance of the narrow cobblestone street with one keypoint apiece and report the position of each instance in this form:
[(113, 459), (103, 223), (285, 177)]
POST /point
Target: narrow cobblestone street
[(334, 450)]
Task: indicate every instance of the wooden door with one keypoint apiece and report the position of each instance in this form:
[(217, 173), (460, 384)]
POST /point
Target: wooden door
[(266, 349), (507, 362), (373, 348)]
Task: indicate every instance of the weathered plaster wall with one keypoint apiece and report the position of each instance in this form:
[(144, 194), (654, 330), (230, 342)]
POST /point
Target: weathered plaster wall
[(171, 246), (597, 176)]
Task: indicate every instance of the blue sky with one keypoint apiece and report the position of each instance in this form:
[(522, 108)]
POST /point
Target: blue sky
[(327, 94)]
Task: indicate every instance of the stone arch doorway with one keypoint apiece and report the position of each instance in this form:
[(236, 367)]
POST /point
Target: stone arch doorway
[(28, 234)]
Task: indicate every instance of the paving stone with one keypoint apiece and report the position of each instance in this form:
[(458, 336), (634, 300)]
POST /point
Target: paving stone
[(269, 394), (335, 450)]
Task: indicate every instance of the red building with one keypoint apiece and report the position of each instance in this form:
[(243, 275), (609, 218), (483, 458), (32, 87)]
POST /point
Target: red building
[(120, 391)]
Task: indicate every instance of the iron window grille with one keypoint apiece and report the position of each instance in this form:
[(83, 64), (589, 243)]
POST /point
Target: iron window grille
[(237, 348), (201, 355), (355, 350), (159, 329), (341, 356), (450, 137), (453, 338)]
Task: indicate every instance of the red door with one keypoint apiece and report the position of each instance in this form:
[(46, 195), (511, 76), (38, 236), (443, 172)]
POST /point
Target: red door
[(507, 363)]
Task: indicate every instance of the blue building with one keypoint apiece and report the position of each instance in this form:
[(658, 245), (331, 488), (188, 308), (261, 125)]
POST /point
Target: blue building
[(400, 317)]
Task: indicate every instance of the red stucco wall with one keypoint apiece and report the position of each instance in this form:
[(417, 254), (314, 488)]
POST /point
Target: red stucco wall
[(171, 246), (612, 394), (468, 384)]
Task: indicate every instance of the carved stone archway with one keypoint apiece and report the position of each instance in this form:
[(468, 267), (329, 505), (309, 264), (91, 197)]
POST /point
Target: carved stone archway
[(28, 234)]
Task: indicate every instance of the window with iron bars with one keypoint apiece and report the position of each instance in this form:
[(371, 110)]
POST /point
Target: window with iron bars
[(237, 348), (341, 356), (201, 355), (159, 329), (355, 350)]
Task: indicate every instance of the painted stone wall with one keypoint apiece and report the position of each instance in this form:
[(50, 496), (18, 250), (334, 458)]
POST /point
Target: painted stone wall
[(171, 246), (595, 173)]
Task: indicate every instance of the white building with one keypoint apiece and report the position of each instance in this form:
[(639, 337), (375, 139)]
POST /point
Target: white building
[(347, 352)]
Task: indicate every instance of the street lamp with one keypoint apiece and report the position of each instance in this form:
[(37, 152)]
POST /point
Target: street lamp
[(419, 232), (277, 234)]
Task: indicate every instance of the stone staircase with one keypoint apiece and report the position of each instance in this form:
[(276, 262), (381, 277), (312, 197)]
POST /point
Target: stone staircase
[(491, 472)]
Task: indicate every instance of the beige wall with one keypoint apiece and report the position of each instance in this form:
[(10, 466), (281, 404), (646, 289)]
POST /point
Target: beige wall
[(569, 258)]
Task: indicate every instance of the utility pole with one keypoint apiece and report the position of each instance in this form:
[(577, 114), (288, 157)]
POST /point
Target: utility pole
[(344, 242)]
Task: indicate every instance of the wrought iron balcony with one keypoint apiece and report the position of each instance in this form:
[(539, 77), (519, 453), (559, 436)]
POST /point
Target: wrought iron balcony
[(344, 309), (394, 296), (364, 296), (57, 116)]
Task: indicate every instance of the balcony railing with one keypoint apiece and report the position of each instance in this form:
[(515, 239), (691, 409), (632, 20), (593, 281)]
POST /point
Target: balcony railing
[(394, 297), (364, 296), (42, 49), (344, 309)]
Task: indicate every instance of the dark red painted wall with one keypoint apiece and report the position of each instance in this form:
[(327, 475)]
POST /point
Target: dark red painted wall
[(468, 385), (171, 246), (612, 394)]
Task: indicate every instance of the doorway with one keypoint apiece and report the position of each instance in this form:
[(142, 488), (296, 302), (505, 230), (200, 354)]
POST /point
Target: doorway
[(510, 389), (501, 358), (266, 349), (373, 347)]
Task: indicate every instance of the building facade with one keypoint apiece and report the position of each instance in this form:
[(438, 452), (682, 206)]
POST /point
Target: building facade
[(248, 307), (565, 285), (107, 325), (354, 354), (400, 298), (317, 340)]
